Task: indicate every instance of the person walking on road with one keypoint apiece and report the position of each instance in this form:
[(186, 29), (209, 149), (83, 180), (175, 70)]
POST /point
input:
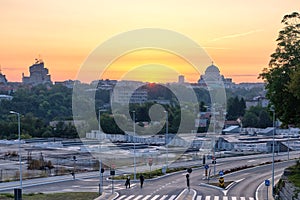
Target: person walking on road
[(127, 183), (188, 181), (142, 180)]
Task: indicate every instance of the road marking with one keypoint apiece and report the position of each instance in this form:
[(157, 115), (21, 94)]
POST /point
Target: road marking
[(207, 198), (138, 197), (233, 198), (155, 197), (172, 197), (199, 197), (164, 197), (243, 198), (251, 160), (251, 198), (146, 197), (216, 198), (128, 198), (122, 197), (225, 198)]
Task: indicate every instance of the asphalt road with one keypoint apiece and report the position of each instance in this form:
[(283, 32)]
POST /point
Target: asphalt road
[(170, 186)]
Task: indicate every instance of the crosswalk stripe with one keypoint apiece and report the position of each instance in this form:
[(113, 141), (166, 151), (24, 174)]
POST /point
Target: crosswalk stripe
[(172, 197), (130, 197), (122, 197), (146, 197), (168, 197), (207, 198), (138, 197), (163, 197), (155, 197)]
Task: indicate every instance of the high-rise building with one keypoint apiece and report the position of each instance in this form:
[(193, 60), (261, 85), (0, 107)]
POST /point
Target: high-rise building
[(181, 79), (38, 74)]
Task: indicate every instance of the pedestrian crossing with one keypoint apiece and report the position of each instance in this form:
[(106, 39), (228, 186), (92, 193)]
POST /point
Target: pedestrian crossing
[(173, 197), (146, 197), (199, 197)]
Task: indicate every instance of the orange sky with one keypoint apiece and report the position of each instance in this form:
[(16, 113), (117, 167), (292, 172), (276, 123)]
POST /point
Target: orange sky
[(239, 36)]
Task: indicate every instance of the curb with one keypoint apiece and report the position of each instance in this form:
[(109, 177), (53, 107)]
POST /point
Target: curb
[(187, 195), (107, 196)]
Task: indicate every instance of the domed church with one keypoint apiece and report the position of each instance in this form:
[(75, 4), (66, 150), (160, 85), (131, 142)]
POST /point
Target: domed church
[(212, 76)]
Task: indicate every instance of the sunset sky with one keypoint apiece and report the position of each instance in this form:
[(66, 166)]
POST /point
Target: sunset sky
[(239, 36)]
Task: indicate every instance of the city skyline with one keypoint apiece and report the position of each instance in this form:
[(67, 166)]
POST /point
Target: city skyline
[(238, 36)]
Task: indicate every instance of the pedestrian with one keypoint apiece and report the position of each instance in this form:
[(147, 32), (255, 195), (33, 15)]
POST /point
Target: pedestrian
[(127, 183), (142, 180), (188, 181)]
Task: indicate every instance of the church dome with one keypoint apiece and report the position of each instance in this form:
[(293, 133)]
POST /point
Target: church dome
[(212, 69)]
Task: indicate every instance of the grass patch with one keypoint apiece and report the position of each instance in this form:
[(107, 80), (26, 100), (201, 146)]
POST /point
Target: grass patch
[(294, 176), (54, 196), (149, 175)]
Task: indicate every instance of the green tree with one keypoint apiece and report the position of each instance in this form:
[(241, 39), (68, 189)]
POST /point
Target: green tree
[(250, 120), (257, 117), (282, 66), (235, 108)]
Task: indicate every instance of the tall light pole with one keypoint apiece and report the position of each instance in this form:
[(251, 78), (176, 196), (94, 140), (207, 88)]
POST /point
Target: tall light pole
[(273, 149), (100, 160), (166, 137), (134, 161), (19, 138)]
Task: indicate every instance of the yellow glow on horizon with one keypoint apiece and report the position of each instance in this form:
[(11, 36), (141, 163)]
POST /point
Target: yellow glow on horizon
[(239, 36), (151, 65)]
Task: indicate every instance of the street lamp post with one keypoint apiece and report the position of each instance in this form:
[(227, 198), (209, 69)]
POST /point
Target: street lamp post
[(100, 160), (214, 138), (19, 138), (134, 161), (273, 149), (166, 137)]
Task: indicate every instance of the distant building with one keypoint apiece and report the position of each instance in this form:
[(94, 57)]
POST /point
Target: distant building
[(3, 79), (213, 77), (181, 79), (38, 74), (5, 97), (67, 83), (249, 86), (129, 92), (257, 101)]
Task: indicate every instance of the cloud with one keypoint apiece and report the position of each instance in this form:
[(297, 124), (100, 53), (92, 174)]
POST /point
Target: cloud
[(236, 35), (242, 75), (219, 48)]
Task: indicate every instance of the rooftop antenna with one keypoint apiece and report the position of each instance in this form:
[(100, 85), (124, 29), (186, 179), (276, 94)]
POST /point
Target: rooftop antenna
[(40, 58), (212, 62), (0, 70)]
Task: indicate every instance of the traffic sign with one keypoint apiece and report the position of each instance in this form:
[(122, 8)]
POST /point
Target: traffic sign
[(221, 173), (189, 170), (267, 182), (221, 182), (206, 166)]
